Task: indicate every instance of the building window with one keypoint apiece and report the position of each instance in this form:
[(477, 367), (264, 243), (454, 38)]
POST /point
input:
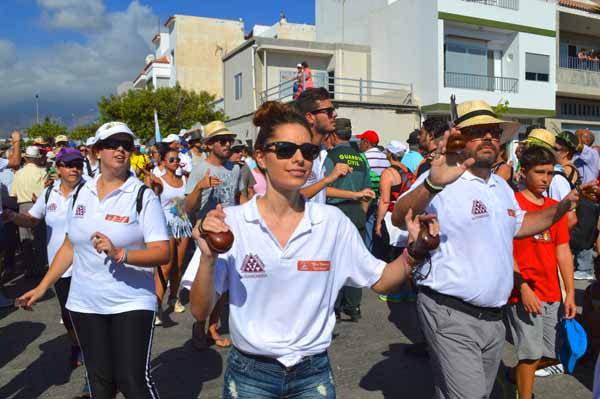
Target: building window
[(537, 67), (238, 85)]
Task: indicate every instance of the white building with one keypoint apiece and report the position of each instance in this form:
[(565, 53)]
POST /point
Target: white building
[(498, 51)]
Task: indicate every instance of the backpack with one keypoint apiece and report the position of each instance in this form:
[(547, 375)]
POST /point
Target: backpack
[(570, 176), (407, 180), (49, 191)]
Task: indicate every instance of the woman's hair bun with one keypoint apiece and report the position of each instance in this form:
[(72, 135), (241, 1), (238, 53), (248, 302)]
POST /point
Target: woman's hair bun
[(270, 112)]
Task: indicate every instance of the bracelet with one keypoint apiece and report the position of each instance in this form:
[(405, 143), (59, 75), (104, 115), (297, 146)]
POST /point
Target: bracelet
[(125, 253), (432, 188), (119, 259), (200, 229)]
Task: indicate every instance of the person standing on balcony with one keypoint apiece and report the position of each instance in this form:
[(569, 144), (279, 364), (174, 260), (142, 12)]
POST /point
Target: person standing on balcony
[(307, 82)]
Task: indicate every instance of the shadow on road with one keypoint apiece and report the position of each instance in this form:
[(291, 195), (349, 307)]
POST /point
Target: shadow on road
[(52, 364), (399, 376), (181, 372)]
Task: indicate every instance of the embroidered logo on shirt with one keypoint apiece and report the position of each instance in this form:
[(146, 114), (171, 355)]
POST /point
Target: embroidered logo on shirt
[(512, 213), (79, 211), (479, 210), (52, 207), (118, 219), (545, 236), (314, 265), (253, 267)]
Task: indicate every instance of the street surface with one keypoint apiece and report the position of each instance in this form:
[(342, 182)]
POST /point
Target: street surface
[(368, 357)]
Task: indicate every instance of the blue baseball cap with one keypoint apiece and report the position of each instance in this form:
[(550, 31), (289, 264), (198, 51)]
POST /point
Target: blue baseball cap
[(574, 344)]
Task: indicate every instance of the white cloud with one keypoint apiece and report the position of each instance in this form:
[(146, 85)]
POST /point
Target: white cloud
[(72, 76), (83, 15)]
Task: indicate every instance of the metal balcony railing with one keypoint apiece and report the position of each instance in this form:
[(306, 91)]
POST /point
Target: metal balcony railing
[(510, 4), (348, 89), (579, 63), (480, 82)]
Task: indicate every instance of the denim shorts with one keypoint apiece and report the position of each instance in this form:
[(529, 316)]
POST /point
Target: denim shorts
[(250, 377)]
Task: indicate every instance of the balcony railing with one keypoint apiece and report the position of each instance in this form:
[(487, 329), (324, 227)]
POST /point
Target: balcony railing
[(480, 82), (510, 4), (348, 89), (579, 63)]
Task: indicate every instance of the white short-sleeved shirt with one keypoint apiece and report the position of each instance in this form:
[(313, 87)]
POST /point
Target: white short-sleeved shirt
[(559, 188), (317, 174), (478, 221), (54, 213), (3, 164), (281, 299), (100, 285)]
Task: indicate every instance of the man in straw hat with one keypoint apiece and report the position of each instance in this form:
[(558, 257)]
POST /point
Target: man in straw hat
[(470, 276), (28, 183), (213, 181)]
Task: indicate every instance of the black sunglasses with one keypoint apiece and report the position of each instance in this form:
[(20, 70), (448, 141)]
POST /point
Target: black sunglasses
[(222, 140), (329, 111), (286, 150), (77, 164), (113, 144), (173, 159), (479, 132)]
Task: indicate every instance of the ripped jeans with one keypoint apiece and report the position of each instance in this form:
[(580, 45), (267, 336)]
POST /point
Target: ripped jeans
[(250, 377)]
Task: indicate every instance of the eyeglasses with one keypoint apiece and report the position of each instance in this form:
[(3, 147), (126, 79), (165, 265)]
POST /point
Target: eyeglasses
[(286, 150), (113, 144), (479, 132), (222, 140), (173, 159), (77, 164), (329, 111)]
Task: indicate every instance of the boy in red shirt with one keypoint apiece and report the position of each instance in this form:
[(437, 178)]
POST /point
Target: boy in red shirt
[(534, 310)]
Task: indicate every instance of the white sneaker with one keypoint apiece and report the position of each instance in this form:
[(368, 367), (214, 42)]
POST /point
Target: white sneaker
[(581, 275), (176, 305), (550, 370)]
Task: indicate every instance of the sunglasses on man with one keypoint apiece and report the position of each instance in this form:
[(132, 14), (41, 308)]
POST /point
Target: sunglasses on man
[(286, 150), (328, 110), (222, 140), (113, 144), (76, 164), (479, 132)]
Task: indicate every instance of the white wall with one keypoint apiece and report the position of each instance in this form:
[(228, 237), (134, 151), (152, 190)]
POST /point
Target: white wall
[(328, 20), (533, 13), (241, 62), (404, 38)]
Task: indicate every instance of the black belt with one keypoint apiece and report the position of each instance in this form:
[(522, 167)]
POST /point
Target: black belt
[(479, 312), (270, 360)]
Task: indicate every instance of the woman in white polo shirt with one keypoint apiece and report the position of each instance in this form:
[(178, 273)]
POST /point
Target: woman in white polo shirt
[(288, 262), (52, 206), (116, 235)]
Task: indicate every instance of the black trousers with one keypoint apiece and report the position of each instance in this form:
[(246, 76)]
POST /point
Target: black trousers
[(61, 287), (116, 351)]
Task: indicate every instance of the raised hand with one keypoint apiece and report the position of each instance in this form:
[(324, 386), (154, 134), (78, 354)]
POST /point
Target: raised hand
[(447, 168), (209, 181)]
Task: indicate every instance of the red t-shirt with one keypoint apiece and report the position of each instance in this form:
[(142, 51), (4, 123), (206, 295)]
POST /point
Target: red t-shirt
[(536, 255)]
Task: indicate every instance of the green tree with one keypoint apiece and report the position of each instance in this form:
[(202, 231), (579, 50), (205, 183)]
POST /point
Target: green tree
[(83, 132), (46, 129), (177, 108), (501, 108)]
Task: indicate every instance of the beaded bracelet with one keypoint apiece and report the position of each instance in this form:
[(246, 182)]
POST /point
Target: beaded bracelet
[(432, 188)]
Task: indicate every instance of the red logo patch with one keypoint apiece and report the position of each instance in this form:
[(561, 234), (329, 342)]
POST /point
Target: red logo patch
[(253, 267), (52, 207), (118, 219), (314, 265)]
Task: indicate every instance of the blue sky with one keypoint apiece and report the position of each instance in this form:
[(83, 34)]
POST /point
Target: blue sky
[(74, 51)]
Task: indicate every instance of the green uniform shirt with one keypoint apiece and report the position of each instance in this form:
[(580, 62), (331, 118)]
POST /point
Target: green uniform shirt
[(356, 181)]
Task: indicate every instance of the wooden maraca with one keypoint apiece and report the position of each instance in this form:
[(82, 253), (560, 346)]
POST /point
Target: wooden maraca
[(424, 243), (591, 193), (456, 143), (219, 242)]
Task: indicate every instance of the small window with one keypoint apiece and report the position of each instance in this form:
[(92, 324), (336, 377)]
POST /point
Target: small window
[(238, 86), (537, 67)]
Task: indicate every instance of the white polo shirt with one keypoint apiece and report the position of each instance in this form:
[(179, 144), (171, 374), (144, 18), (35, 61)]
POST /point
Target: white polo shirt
[(317, 174), (281, 299), (54, 213), (478, 221), (100, 285)]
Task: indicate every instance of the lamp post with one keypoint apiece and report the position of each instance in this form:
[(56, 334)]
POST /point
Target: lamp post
[(37, 108)]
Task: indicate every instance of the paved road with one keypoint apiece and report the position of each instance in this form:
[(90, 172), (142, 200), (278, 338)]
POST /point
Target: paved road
[(368, 358)]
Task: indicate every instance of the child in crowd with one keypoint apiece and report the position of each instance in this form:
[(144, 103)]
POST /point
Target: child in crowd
[(535, 310), (591, 311)]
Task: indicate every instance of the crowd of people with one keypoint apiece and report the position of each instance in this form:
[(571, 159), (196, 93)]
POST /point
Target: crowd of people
[(474, 244)]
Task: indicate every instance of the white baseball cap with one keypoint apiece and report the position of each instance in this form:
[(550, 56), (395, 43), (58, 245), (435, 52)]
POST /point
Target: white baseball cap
[(90, 141), (112, 128), (396, 147), (32, 152), (171, 138)]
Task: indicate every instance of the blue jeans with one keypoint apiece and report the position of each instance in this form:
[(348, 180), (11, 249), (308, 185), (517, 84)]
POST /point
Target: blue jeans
[(584, 260), (256, 378), (370, 225)]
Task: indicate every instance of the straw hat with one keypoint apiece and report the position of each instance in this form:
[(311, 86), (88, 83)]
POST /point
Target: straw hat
[(39, 140), (541, 137), (32, 152), (478, 112), (216, 128), (61, 138)]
